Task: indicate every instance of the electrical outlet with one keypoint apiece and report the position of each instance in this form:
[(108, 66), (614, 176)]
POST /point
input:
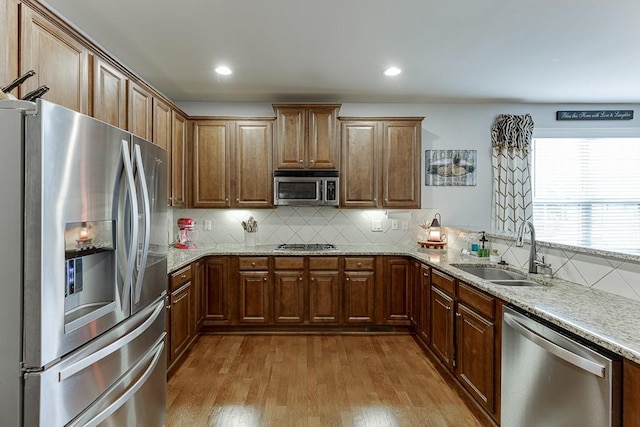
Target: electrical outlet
[(405, 225), (394, 224), (207, 225), (376, 225)]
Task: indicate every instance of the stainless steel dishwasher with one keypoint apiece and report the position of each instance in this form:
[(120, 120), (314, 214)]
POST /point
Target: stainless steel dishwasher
[(550, 379)]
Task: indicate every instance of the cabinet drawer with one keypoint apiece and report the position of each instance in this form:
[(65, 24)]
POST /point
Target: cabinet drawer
[(359, 263), (253, 263), (289, 263), (476, 299), (323, 263), (444, 282), (180, 277)]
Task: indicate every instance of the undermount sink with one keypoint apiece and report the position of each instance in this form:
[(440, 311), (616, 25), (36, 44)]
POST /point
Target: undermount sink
[(499, 276)]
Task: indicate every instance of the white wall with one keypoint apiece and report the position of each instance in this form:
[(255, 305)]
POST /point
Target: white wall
[(448, 126)]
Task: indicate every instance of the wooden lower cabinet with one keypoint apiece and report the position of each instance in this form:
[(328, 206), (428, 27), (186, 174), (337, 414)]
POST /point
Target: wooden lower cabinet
[(474, 358), (442, 330), (324, 296), (254, 297), (215, 302), (424, 329), (288, 291), (397, 290), (359, 301), (630, 394), (182, 313)]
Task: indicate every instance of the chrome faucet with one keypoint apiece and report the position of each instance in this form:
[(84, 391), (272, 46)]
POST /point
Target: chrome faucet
[(533, 267)]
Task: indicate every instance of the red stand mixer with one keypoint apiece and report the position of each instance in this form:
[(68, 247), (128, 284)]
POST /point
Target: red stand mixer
[(186, 226)]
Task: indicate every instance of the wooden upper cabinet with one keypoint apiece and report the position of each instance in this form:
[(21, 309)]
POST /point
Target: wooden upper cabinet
[(60, 61), (9, 42), (306, 136), (211, 153), (139, 110), (109, 94), (253, 144), (380, 162), (177, 160), (360, 181), (161, 123), (401, 164)]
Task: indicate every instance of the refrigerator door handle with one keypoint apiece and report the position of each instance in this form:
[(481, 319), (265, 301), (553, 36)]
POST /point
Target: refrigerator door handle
[(154, 355), (131, 258), (111, 348), (564, 354), (147, 223)]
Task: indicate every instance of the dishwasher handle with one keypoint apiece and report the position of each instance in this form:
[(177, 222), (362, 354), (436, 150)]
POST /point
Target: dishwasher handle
[(564, 354)]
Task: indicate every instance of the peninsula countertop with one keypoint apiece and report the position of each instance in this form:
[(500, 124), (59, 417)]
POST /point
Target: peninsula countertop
[(608, 320)]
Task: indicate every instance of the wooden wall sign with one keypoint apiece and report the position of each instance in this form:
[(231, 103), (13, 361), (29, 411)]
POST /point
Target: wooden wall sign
[(595, 115)]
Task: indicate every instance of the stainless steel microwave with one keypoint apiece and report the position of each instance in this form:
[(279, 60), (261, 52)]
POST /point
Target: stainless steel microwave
[(306, 188)]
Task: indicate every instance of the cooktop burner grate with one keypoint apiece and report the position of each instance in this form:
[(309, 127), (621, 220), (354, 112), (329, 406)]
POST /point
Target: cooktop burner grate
[(311, 247)]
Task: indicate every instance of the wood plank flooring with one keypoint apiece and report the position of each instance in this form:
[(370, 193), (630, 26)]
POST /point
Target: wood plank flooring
[(312, 380)]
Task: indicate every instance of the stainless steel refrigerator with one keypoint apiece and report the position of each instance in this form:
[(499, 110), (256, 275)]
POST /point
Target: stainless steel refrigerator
[(83, 218)]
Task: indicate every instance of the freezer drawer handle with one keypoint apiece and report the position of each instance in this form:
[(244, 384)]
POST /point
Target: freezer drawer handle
[(111, 348), (564, 354), (108, 411)]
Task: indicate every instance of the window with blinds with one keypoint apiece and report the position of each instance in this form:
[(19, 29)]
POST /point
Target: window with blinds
[(586, 192)]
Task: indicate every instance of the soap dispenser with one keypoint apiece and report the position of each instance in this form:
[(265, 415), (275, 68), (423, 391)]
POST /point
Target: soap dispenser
[(483, 250)]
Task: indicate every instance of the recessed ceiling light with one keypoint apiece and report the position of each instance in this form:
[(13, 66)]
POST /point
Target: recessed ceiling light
[(225, 71), (393, 71)]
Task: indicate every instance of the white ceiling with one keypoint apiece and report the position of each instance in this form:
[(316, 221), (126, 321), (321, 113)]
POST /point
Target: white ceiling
[(551, 51)]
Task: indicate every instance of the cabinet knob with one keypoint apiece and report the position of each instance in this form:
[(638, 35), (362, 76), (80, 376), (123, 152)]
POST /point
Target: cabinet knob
[(226, 199), (386, 200), (300, 278), (312, 161), (458, 315), (375, 199), (425, 274), (347, 279), (264, 279), (359, 264), (301, 161), (184, 276), (447, 307), (253, 264), (313, 278)]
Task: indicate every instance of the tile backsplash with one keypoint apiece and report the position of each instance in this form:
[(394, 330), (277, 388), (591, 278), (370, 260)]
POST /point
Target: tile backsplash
[(353, 226), (616, 275), (289, 224)]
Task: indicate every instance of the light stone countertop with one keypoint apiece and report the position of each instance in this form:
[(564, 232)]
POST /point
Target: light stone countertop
[(608, 320)]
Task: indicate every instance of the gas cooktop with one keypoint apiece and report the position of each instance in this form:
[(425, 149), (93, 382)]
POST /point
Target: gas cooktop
[(311, 247)]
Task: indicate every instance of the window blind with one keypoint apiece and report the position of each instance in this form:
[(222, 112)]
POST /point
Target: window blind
[(586, 192)]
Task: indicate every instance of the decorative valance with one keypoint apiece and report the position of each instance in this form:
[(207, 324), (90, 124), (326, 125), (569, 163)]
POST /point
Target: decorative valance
[(512, 132)]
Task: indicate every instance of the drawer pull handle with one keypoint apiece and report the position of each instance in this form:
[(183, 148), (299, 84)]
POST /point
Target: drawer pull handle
[(184, 276)]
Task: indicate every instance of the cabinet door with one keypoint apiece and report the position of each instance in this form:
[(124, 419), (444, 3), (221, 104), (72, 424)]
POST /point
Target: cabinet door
[(182, 327), (254, 167), (397, 279), (254, 297), (178, 158), (139, 110), (359, 304), (414, 302), (442, 317), (630, 394), (425, 304), (360, 164), (216, 291), (401, 164), (211, 162), (59, 60), (323, 146), (161, 124), (9, 42), (109, 94), (290, 138), (289, 296), (475, 355), (324, 297)]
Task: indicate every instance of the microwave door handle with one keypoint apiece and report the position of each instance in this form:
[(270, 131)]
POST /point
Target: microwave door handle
[(133, 245), (147, 223)]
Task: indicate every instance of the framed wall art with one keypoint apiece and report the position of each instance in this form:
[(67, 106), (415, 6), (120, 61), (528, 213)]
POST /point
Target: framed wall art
[(450, 167)]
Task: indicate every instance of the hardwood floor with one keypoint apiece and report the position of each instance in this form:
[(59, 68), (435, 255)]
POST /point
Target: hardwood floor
[(312, 380)]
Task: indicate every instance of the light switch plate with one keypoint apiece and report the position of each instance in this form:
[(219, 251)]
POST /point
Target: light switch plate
[(405, 225), (376, 225), (394, 224), (207, 225)]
